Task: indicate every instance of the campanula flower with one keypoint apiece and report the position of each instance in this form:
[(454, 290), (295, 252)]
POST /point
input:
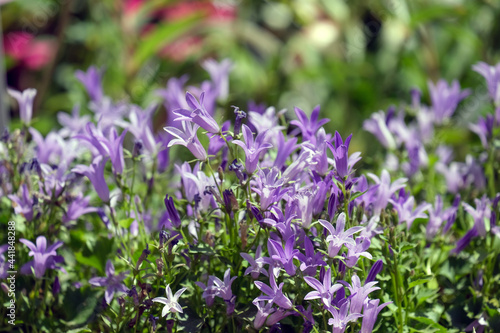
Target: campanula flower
[(337, 236), (285, 257), (252, 148), (341, 317), (44, 256), (274, 293), (445, 98), (112, 282), (187, 138), (23, 204), (92, 81), (324, 290), (95, 173), (356, 250), (371, 309), (171, 301), (308, 126), (198, 114), (25, 100), (492, 76), (310, 260), (256, 266)]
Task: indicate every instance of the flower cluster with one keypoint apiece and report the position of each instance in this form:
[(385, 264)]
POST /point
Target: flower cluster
[(254, 214)]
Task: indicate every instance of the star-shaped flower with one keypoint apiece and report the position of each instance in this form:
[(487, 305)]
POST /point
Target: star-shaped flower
[(171, 304)]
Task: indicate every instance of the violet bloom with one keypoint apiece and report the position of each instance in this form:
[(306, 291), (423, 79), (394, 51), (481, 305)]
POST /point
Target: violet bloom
[(341, 317), (378, 126), (384, 190), (274, 293), (340, 155), (492, 76), (324, 290), (112, 282), (198, 114), (437, 216), (358, 249), (25, 100), (44, 257), (310, 260), (256, 266), (285, 257), (445, 98), (285, 150), (72, 124), (264, 309), (484, 129), (173, 214), (95, 173), (92, 80), (337, 237), (376, 268), (308, 127), (78, 207), (220, 288), (4, 264), (371, 310), (480, 214), (171, 301), (219, 74), (111, 146), (187, 138), (23, 204), (252, 148), (359, 293), (405, 210)]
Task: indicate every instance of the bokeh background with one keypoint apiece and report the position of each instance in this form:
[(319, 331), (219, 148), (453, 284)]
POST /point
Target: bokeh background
[(351, 57)]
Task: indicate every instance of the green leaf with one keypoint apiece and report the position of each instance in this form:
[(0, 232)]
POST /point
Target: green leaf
[(162, 35), (92, 261), (125, 223), (419, 282), (430, 322)]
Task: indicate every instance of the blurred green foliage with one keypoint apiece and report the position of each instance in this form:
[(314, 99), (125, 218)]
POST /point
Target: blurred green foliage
[(352, 57)]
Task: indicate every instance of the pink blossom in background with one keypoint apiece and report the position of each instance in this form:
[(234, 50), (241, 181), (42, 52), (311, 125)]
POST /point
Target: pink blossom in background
[(27, 50)]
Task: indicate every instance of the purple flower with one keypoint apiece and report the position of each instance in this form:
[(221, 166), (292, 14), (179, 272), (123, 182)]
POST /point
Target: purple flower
[(323, 290), (437, 216), (285, 257), (492, 76), (376, 268), (72, 124), (44, 257), (198, 114), (171, 302), (340, 154), (221, 288), (141, 127), (484, 129), (356, 250), (445, 98), (264, 309), (25, 100), (341, 317), (371, 310), (256, 266), (78, 207), (112, 282), (384, 190), (219, 74), (187, 138), (274, 293), (111, 147), (378, 126), (359, 293), (95, 173), (310, 260), (238, 122), (4, 264), (173, 214), (406, 213), (308, 127), (337, 237), (480, 214), (23, 204), (285, 150), (252, 148), (92, 80)]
